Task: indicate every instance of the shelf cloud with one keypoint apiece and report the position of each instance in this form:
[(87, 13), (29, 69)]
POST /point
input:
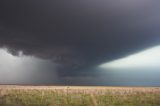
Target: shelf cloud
[(78, 36)]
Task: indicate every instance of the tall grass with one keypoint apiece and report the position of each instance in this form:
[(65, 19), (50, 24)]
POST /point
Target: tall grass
[(80, 97)]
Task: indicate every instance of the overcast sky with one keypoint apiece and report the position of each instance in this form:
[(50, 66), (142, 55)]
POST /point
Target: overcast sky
[(67, 41)]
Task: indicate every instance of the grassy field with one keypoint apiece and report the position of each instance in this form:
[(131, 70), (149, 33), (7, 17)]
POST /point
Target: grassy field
[(78, 96)]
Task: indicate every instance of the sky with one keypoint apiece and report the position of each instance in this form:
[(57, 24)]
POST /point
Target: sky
[(80, 42)]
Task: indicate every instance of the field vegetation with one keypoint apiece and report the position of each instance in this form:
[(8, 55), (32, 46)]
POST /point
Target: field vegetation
[(78, 96)]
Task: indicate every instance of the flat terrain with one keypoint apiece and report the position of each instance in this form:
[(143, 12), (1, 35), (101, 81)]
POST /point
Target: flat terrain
[(12, 95)]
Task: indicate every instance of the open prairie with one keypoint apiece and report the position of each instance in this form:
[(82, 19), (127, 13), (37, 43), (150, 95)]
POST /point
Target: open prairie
[(12, 95)]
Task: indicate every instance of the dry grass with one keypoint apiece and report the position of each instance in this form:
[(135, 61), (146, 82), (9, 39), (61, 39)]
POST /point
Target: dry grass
[(78, 96)]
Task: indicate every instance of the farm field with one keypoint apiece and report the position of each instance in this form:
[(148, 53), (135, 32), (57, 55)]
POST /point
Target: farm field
[(12, 95)]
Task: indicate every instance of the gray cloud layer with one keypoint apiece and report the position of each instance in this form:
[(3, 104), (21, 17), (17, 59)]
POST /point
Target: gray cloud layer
[(79, 34)]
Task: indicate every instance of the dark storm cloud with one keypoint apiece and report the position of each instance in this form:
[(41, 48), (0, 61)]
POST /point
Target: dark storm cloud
[(79, 34)]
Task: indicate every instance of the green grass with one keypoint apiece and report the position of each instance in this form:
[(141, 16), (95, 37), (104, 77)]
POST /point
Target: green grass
[(70, 97)]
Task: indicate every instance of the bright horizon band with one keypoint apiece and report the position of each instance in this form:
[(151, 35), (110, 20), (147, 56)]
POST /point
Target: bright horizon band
[(149, 58)]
